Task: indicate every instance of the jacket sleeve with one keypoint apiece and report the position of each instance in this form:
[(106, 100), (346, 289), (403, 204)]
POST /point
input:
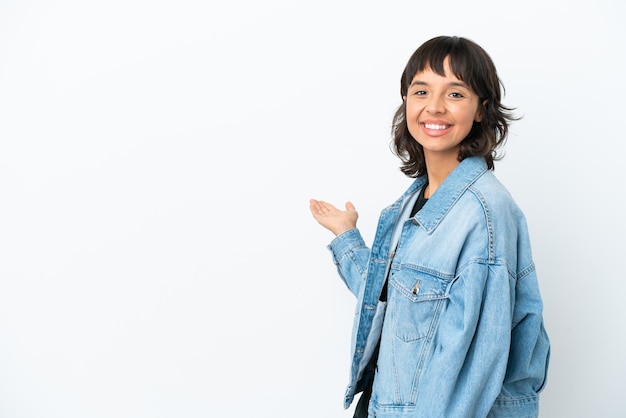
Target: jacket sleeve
[(529, 354), (489, 333), (350, 255)]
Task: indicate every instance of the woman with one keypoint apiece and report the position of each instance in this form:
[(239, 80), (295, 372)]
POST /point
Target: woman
[(449, 315)]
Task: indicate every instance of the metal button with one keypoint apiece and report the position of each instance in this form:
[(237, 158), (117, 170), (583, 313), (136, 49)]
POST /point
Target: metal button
[(416, 288)]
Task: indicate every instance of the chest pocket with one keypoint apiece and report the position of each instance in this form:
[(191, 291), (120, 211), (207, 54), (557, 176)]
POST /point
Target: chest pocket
[(416, 302)]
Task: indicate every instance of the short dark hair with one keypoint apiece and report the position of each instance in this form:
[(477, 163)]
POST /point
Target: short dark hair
[(471, 64)]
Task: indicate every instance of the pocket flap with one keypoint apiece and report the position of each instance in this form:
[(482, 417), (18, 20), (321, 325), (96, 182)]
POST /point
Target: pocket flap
[(418, 285)]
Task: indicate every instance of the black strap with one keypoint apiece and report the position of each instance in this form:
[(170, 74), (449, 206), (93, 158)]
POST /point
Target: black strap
[(419, 203)]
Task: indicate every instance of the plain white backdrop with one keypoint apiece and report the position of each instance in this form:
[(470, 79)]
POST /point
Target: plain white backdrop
[(157, 254)]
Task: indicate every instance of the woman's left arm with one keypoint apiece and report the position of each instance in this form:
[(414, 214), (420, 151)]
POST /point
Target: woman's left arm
[(489, 345), (529, 352)]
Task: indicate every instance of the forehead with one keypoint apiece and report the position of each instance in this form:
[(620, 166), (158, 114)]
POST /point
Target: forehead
[(445, 74)]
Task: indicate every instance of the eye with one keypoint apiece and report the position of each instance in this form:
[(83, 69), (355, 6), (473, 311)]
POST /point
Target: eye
[(419, 93), (457, 95)]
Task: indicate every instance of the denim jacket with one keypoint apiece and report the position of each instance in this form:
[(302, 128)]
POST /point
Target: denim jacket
[(461, 333)]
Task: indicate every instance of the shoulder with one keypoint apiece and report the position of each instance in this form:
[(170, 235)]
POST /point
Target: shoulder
[(505, 222), (494, 197)]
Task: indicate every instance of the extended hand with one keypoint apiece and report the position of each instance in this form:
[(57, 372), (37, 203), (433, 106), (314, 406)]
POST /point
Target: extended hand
[(335, 220)]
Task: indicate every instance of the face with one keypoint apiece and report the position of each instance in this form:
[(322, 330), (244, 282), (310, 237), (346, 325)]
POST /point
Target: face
[(440, 112)]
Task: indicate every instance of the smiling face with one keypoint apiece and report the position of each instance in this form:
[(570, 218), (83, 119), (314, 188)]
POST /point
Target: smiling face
[(440, 112)]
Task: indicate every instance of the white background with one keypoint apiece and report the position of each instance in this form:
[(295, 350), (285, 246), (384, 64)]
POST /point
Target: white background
[(157, 254)]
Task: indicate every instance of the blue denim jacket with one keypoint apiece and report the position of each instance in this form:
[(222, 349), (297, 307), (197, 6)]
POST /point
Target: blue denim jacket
[(461, 333)]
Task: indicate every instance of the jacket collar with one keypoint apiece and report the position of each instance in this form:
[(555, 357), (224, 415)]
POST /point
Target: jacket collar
[(457, 182)]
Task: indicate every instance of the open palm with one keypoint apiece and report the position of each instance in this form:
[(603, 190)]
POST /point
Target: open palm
[(335, 220)]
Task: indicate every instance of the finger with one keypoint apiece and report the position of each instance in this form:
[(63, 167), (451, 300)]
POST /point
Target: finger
[(314, 206), (319, 207)]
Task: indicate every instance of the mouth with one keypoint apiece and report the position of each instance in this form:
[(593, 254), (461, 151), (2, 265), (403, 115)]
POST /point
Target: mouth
[(436, 126)]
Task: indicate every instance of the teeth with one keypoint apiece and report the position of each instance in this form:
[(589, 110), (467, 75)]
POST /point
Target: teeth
[(432, 126)]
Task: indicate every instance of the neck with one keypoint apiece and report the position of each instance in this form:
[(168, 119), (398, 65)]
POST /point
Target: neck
[(438, 169)]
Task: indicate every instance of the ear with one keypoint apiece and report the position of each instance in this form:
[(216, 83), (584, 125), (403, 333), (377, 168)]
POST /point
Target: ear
[(479, 112), (404, 98)]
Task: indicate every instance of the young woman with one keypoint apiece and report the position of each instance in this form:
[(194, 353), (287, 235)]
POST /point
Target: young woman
[(449, 316)]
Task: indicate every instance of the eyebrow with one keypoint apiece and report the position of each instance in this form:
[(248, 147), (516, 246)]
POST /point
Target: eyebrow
[(451, 84)]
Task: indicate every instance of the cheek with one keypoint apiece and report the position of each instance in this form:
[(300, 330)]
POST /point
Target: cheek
[(477, 113), (412, 111), (466, 116), (412, 116)]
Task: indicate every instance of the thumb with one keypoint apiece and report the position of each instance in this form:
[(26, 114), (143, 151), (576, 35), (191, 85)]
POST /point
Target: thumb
[(350, 206)]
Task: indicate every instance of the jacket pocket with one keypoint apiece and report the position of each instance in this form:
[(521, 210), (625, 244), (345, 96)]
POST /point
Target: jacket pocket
[(418, 299)]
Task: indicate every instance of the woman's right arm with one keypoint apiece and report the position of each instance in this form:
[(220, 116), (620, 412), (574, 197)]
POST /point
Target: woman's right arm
[(351, 256)]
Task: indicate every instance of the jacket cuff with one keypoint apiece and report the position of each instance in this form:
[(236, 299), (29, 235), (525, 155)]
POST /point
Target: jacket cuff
[(345, 242)]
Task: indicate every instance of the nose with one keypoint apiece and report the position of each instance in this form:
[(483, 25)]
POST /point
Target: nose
[(435, 104)]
